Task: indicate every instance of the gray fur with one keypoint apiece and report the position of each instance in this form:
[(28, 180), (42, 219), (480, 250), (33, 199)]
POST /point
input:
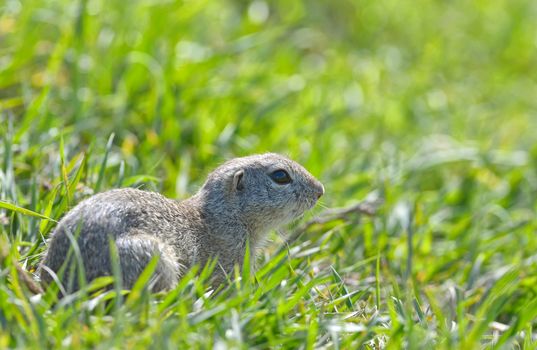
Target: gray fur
[(238, 203)]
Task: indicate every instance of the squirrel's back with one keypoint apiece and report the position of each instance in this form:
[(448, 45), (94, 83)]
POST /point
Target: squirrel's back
[(119, 215)]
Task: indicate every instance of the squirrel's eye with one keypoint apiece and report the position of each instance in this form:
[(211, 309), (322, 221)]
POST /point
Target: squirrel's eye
[(281, 177)]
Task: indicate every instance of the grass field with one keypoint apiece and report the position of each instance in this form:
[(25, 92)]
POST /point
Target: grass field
[(429, 105)]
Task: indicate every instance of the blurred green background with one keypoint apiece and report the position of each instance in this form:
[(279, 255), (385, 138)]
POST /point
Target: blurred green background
[(339, 85), (431, 105)]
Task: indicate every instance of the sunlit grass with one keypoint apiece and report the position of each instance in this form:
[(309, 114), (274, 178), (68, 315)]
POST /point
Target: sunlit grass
[(428, 105)]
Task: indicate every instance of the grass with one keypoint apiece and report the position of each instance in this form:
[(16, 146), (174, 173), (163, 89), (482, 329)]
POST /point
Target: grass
[(429, 105)]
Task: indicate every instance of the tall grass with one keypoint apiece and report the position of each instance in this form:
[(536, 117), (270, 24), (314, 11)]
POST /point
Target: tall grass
[(429, 105)]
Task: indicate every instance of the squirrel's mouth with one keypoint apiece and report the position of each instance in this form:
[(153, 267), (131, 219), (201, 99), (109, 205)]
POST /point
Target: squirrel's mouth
[(309, 203)]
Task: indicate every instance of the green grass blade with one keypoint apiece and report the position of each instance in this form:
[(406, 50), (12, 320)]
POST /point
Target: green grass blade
[(23, 211)]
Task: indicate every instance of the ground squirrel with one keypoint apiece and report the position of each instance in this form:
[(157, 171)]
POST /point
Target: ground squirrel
[(240, 202)]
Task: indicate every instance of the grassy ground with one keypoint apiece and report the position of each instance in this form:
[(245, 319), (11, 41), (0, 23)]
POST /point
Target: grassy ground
[(429, 105)]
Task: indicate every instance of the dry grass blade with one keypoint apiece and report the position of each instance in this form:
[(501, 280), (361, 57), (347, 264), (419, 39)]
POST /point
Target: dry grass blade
[(351, 212), (22, 274)]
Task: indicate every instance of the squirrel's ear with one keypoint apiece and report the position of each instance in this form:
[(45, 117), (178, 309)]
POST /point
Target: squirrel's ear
[(237, 180)]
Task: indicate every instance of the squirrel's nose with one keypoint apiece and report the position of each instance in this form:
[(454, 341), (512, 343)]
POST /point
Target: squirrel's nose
[(319, 190)]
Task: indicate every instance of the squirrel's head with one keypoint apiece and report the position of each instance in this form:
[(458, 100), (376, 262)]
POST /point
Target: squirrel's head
[(263, 191)]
